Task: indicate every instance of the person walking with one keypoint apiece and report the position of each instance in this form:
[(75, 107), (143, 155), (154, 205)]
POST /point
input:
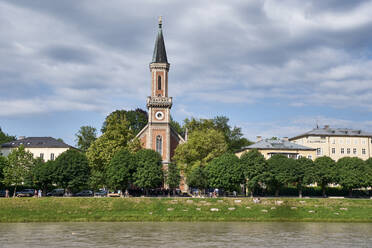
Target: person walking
[(6, 193)]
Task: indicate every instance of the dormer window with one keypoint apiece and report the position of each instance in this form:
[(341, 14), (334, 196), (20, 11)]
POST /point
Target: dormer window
[(159, 82)]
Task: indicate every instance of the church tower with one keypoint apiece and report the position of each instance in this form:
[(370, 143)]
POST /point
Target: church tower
[(158, 134)]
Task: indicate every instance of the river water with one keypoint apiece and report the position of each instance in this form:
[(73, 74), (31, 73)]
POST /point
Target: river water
[(185, 234)]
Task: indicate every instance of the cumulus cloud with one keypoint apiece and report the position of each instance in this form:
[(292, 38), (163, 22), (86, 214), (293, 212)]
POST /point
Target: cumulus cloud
[(93, 55)]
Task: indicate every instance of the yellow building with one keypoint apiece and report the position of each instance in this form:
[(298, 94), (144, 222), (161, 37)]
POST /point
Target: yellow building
[(46, 148), (270, 147), (337, 143)]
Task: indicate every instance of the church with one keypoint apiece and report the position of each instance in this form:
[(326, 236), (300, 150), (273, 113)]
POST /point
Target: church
[(158, 134)]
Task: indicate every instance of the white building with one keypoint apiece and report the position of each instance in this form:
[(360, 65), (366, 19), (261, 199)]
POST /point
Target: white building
[(47, 148)]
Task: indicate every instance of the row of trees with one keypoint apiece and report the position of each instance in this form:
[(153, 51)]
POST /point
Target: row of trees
[(252, 170), (71, 171)]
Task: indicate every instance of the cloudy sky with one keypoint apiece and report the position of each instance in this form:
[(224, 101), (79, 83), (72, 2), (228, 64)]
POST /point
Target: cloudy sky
[(275, 68)]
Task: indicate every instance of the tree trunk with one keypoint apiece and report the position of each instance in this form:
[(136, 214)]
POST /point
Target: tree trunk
[(350, 192), (14, 192), (300, 192), (252, 193), (276, 192), (323, 191)]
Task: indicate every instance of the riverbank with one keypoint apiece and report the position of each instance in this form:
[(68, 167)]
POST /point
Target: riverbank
[(184, 209)]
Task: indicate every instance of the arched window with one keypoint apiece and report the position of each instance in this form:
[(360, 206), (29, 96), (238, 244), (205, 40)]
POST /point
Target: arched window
[(159, 144), (159, 82)]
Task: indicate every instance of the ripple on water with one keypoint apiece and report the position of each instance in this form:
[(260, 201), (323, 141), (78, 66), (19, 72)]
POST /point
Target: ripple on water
[(185, 234)]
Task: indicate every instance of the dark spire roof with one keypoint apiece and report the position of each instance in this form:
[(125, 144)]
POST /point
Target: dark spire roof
[(160, 55)]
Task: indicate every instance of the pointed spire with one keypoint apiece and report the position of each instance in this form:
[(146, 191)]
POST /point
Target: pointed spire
[(160, 55)]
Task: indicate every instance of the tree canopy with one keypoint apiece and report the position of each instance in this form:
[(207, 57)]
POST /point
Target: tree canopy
[(233, 135), (4, 138), (173, 176), (85, 137), (137, 119), (253, 164), (197, 178), (120, 170), (279, 171), (149, 171), (43, 174), (350, 173), (324, 172), (224, 172), (18, 169), (201, 147), (72, 170), (117, 136)]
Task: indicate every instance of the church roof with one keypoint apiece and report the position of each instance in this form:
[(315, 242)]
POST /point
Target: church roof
[(160, 55)]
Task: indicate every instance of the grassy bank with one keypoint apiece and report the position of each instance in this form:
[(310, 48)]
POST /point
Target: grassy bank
[(183, 209)]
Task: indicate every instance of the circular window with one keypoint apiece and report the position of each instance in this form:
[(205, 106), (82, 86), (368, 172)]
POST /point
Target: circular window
[(159, 115)]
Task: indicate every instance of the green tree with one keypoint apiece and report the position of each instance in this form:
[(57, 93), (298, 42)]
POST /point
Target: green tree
[(137, 119), (279, 171), (177, 127), (117, 136), (368, 177), (85, 137), (225, 172), (19, 167), (173, 177), (72, 170), (301, 173), (149, 171), (351, 173), (233, 136), (3, 164), (43, 174), (254, 165), (4, 138), (201, 147), (120, 170), (198, 178), (324, 172)]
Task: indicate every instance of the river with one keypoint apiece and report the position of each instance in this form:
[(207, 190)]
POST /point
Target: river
[(185, 234)]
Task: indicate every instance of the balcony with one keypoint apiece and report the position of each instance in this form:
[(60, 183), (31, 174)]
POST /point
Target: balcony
[(159, 101)]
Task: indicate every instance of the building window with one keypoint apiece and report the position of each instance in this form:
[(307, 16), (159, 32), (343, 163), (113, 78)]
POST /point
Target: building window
[(333, 150), (363, 142), (364, 151), (348, 150), (159, 82), (310, 157), (42, 155), (52, 156), (354, 151), (341, 141), (333, 141), (355, 142), (318, 151), (159, 144), (342, 150), (348, 141)]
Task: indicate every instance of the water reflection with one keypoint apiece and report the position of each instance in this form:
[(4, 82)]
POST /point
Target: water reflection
[(190, 234)]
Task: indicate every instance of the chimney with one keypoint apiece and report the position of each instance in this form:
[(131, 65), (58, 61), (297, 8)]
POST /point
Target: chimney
[(285, 139), (259, 138), (21, 137)]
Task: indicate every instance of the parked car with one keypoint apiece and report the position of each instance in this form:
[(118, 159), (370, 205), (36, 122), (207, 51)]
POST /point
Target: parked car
[(25, 193), (2, 193), (101, 193), (56, 192), (114, 193), (84, 193)]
